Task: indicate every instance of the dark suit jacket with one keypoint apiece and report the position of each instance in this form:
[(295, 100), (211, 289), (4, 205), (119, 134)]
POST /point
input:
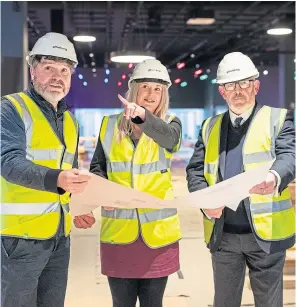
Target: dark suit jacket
[(284, 165)]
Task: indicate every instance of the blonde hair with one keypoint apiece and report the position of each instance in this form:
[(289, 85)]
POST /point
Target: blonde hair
[(126, 127)]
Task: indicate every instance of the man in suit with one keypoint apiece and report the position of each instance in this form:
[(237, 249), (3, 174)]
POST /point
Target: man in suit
[(258, 233)]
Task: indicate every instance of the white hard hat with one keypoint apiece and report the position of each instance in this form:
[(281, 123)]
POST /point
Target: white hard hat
[(150, 70), (53, 44), (235, 66)]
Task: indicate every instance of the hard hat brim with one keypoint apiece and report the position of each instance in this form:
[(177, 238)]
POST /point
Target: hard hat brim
[(138, 80), (239, 78), (30, 56)]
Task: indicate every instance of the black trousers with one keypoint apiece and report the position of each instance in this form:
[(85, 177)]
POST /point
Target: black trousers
[(125, 291)]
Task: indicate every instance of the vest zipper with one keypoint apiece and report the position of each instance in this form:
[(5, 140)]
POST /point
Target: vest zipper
[(132, 183), (61, 140), (61, 163)]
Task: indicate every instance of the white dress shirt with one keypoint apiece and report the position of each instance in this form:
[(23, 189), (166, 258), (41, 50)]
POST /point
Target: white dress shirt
[(244, 115)]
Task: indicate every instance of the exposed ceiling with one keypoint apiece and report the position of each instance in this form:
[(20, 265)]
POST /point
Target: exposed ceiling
[(161, 27)]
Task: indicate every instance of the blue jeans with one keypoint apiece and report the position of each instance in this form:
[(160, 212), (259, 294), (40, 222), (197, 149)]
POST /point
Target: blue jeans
[(34, 273)]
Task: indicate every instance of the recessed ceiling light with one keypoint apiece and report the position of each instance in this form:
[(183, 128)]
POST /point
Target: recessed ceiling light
[(200, 21), (84, 38), (279, 31), (200, 17), (131, 56)]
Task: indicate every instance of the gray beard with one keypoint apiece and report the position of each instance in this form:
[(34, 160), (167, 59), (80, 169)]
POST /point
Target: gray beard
[(51, 97)]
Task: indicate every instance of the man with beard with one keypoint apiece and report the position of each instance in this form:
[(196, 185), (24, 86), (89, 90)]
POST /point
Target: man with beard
[(39, 139), (263, 227)]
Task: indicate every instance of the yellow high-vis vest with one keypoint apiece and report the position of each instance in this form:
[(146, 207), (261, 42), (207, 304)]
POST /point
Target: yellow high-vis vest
[(273, 218), (30, 213), (146, 168)]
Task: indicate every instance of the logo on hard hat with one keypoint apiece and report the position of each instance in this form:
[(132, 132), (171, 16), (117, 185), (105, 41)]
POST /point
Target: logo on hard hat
[(232, 70), (60, 48), (150, 69)]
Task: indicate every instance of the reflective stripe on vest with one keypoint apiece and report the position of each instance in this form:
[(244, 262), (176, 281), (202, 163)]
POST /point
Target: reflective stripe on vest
[(275, 206), (152, 216), (131, 214), (258, 157), (27, 119), (130, 168), (18, 208), (48, 154), (272, 217), (123, 214), (38, 208), (210, 169), (163, 163), (24, 210)]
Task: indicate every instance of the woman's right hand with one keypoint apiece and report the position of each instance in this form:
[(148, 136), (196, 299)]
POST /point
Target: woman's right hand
[(131, 109), (109, 208)]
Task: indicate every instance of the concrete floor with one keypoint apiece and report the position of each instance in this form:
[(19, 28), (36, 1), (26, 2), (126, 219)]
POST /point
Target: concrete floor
[(88, 288)]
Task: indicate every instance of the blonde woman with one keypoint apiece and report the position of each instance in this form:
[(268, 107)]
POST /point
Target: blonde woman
[(139, 247)]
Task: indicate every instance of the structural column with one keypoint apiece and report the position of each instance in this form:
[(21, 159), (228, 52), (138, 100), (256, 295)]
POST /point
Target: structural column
[(14, 46), (286, 72)]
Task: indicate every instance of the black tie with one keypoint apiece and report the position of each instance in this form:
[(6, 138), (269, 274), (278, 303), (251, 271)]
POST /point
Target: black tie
[(237, 122)]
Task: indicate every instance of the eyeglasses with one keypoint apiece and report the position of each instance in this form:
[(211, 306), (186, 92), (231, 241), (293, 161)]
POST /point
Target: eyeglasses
[(243, 84)]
